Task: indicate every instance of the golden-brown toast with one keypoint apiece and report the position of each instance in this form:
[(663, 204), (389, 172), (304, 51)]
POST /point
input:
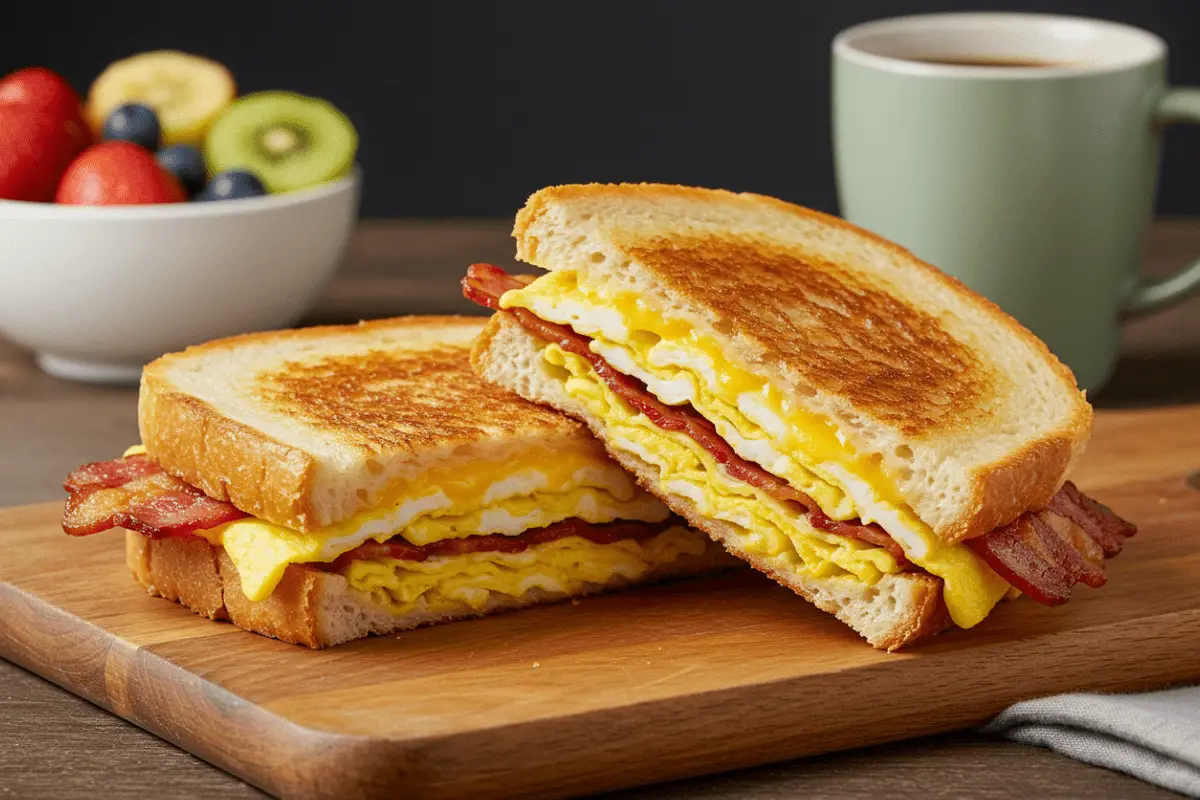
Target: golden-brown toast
[(305, 427), (972, 417)]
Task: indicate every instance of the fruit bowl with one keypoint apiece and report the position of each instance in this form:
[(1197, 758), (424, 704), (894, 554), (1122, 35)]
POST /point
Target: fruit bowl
[(98, 291)]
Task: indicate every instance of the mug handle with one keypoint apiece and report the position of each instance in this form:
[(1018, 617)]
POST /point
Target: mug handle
[(1154, 294)]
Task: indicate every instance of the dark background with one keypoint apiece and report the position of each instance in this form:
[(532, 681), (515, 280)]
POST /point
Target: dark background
[(464, 108)]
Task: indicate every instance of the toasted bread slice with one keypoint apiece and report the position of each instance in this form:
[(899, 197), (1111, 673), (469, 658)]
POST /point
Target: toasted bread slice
[(895, 611), (306, 427), (971, 415), (320, 609)]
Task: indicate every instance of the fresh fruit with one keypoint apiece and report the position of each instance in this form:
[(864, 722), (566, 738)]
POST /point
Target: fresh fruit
[(133, 122), (288, 140), (232, 185), (117, 174), (49, 92), (186, 163), (41, 87), (35, 148), (186, 91)]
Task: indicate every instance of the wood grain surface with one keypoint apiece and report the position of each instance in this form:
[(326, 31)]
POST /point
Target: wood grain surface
[(687, 678), (57, 745)]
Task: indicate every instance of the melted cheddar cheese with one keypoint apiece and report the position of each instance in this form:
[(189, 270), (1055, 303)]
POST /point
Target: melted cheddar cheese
[(761, 423)]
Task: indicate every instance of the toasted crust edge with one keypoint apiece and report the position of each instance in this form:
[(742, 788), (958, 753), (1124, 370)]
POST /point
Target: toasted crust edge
[(1022, 480), (229, 460), (224, 458), (925, 611), (319, 609), (1026, 478)]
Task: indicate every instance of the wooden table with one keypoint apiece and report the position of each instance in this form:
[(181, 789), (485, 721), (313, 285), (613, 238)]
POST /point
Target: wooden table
[(53, 744)]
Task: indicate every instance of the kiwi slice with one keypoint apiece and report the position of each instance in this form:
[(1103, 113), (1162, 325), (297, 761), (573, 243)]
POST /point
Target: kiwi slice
[(288, 140)]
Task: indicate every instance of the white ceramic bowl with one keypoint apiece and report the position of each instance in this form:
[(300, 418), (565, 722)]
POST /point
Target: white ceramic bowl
[(98, 291)]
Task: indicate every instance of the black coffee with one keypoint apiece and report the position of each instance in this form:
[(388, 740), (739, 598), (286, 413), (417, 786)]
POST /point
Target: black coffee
[(987, 61)]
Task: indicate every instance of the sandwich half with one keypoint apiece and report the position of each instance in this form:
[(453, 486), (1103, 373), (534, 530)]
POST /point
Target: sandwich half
[(323, 484), (844, 417)]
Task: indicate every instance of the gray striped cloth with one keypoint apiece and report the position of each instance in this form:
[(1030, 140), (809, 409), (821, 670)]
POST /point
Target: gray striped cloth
[(1154, 736)]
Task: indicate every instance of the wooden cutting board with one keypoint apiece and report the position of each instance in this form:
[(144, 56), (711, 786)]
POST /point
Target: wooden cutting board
[(682, 679)]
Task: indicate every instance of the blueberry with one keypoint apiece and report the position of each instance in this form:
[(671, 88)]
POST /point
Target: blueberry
[(133, 122), (186, 163), (231, 185)]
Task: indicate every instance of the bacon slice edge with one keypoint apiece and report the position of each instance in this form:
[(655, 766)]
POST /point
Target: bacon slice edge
[(134, 492)]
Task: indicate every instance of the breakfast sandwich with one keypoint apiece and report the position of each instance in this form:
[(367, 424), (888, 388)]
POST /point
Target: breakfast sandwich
[(844, 417), (322, 484)]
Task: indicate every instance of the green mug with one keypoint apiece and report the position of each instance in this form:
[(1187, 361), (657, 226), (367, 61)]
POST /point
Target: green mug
[(1019, 153)]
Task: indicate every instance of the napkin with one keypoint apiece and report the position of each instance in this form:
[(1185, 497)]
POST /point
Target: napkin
[(1154, 736)]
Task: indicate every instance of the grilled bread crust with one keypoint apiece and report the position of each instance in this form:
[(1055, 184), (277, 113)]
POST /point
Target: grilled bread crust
[(894, 612), (306, 427), (974, 419)]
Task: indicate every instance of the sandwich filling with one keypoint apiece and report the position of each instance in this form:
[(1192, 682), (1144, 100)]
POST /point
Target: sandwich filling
[(444, 539), (667, 395), (569, 558)]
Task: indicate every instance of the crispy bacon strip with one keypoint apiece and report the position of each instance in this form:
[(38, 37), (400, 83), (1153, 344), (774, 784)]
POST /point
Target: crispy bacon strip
[(133, 492), (1042, 553), (110, 474), (398, 548), (1096, 519), (484, 283), (1045, 553)]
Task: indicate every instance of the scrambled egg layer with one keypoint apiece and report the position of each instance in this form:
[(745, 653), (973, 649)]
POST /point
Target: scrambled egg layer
[(570, 565), (762, 425), (769, 528), (534, 488)]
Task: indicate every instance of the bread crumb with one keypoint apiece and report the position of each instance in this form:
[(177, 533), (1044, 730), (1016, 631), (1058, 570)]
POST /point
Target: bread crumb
[(536, 665)]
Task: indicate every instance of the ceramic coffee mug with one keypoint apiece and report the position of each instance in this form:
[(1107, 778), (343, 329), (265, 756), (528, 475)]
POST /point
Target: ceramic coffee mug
[(1019, 153)]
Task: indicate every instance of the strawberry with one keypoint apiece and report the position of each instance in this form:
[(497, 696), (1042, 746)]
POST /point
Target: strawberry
[(118, 174), (50, 93), (35, 148)]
